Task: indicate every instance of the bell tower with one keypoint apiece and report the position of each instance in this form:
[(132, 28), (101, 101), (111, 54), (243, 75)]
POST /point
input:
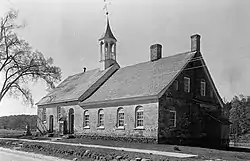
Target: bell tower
[(107, 47)]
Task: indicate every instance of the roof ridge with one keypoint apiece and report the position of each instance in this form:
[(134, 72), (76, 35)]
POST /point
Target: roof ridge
[(159, 59), (83, 72)]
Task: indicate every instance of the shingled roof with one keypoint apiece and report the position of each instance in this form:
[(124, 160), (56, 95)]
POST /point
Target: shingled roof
[(140, 80), (78, 86)]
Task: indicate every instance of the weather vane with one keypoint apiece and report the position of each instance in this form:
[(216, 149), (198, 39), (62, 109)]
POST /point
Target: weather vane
[(106, 3)]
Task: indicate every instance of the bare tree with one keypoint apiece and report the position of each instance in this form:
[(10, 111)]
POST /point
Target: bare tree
[(20, 64)]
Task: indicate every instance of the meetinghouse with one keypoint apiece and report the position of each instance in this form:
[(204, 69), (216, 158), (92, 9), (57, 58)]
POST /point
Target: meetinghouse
[(169, 99)]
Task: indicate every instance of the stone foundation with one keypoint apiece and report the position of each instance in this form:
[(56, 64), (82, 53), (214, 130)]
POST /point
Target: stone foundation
[(118, 138)]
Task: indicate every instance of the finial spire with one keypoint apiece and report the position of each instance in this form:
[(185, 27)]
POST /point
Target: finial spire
[(106, 3), (108, 33)]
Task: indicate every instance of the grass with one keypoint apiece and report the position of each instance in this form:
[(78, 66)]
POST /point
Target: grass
[(233, 154), (11, 133)]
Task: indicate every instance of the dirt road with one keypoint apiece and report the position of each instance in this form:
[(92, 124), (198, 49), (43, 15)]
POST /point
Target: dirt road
[(14, 155)]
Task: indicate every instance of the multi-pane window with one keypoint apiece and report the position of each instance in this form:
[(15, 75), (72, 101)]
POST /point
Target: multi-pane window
[(100, 118), (58, 113), (203, 87), (139, 116), (176, 85), (172, 118), (86, 119), (186, 84), (44, 115), (120, 117)]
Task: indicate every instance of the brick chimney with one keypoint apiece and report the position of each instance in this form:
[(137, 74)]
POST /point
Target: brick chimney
[(155, 52), (195, 42)]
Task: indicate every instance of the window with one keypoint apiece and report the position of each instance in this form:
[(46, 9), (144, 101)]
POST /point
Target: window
[(186, 84), (139, 116), (101, 118), (59, 113), (86, 119), (176, 85), (203, 87), (172, 119), (44, 115), (120, 117)]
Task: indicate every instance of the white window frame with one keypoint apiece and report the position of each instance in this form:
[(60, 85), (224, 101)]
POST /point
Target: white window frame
[(85, 120), (139, 118), (203, 87), (172, 111), (101, 118), (187, 79), (120, 117)]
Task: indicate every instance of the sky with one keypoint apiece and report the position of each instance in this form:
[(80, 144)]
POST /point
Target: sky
[(68, 31)]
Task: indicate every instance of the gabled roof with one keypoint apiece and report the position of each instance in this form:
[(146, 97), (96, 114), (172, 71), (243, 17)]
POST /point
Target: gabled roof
[(78, 86), (108, 33), (141, 80)]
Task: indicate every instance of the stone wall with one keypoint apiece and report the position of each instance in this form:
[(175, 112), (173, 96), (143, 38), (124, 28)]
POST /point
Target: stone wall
[(150, 128)]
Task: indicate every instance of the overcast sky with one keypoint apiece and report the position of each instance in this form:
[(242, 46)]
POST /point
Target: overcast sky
[(68, 31)]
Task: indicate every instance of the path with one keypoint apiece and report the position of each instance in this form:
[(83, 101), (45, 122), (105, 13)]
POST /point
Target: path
[(15, 155), (154, 152)]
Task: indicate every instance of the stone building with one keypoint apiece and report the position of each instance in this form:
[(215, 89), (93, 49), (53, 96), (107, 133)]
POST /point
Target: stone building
[(164, 100)]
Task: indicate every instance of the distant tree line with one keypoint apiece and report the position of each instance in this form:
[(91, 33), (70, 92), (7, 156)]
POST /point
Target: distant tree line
[(18, 122)]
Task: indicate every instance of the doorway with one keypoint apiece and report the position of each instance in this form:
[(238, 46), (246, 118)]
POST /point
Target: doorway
[(71, 121), (51, 123)]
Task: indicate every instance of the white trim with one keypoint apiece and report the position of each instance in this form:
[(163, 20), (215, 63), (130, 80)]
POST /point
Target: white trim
[(118, 119), (207, 73), (174, 116), (188, 81), (100, 128), (59, 112), (84, 119), (120, 128), (139, 109), (139, 128), (120, 102), (212, 83), (98, 123), (203, 87), (86, 127), (176, 75)]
